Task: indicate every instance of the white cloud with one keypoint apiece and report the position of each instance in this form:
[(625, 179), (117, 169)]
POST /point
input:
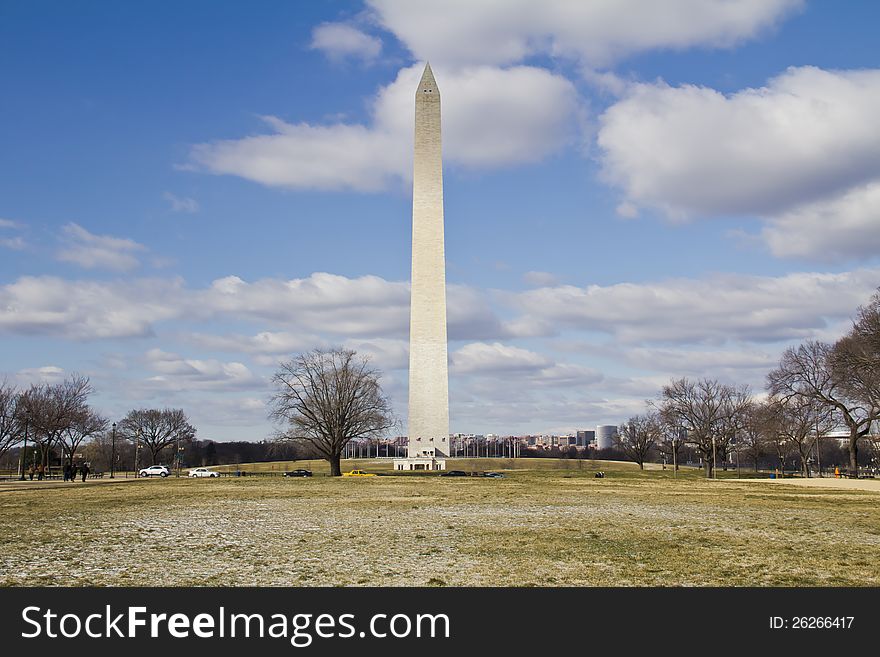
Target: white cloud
[(491, 117), (503, 364), (324, 304), (716, 309), (98, 251), (339, 41), (181, 203), (37, 375), (681, 310), (843, 226), (175, 372), (483, 358), (691, 151), (85, 310), (368, 305), (308, 157), (232, 417), (14, 243), (384, 353), (595, 33), (265, 343), (701, 362), (540, 279), (328, 303), (627, 210), (539, 413)]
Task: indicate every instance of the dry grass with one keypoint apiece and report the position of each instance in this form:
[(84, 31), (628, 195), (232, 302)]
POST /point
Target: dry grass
[(537, 527)]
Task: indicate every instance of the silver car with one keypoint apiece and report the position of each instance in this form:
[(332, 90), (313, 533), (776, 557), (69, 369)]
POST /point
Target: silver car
[(154, 471), (203, 472)]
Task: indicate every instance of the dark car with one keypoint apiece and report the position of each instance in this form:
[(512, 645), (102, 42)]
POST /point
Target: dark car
[(298, 473), (454, 473)]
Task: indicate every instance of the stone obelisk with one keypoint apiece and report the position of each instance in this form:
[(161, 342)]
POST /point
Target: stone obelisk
[(428, 373)]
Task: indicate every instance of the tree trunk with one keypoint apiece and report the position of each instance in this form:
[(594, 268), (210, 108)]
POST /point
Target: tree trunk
[(707, 466), (641, 466), (854, 453), (335, 466)]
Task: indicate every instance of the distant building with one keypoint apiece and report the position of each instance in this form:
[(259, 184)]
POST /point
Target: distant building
[(605, 435), (584, 438)]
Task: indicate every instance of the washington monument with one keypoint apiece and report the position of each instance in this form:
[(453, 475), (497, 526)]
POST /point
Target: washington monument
[(428, 374)]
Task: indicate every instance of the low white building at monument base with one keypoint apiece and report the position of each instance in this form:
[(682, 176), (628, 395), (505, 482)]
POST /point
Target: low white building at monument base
[(420, 463)]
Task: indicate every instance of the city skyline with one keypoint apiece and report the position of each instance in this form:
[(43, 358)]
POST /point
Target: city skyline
[(189, 194)]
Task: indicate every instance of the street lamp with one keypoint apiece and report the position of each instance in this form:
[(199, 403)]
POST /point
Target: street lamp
[(137, 448), (24, 449), (112, 450), (714, 463), (737, 458), (674, 457)]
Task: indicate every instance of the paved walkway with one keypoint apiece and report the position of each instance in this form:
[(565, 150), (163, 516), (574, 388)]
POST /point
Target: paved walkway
[(825, 482), (15, 484)]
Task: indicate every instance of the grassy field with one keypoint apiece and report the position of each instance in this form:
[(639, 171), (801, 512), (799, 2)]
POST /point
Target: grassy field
[(546, 523)]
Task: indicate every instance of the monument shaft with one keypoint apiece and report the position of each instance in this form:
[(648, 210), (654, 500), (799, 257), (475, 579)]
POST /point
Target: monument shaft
[(428, 373)]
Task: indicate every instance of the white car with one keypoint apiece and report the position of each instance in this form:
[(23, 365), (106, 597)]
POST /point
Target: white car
[(154, 471), (203, 472)]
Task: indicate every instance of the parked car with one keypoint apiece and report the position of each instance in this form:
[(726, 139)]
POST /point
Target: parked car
[(493, 475), (454, 473), (154, 471), (358, 473), (203, 472), (298, 473)]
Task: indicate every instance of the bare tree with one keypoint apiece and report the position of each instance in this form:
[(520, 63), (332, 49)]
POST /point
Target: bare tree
[(637, 437), (10, 430), (752, 439), (707, 410), (328, 398), (51, 409), (797, 420), (867, 329), (99, 450), (855, 358), (776, 440), (86, 423), (155, 429), (670, 441), (813, 370)]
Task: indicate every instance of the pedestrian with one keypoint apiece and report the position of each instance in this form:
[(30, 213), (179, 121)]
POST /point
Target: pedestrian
[(41, 470), (85, 470), (67, 472), (73, 472), (30, 471)]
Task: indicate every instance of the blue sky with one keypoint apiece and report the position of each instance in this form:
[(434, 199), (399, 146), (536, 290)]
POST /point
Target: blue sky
[(190, 192)]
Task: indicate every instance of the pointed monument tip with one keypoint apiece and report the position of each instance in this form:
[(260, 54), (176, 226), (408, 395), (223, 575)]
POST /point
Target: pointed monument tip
[(428, 84)]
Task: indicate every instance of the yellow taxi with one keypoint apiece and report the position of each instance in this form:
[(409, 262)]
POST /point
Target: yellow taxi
[(358, 473)]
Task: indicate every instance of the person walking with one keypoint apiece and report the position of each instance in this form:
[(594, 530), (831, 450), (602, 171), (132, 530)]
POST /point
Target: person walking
[(85, 470), (30, 472), (67, 472), (73, 472), (41, 470)]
